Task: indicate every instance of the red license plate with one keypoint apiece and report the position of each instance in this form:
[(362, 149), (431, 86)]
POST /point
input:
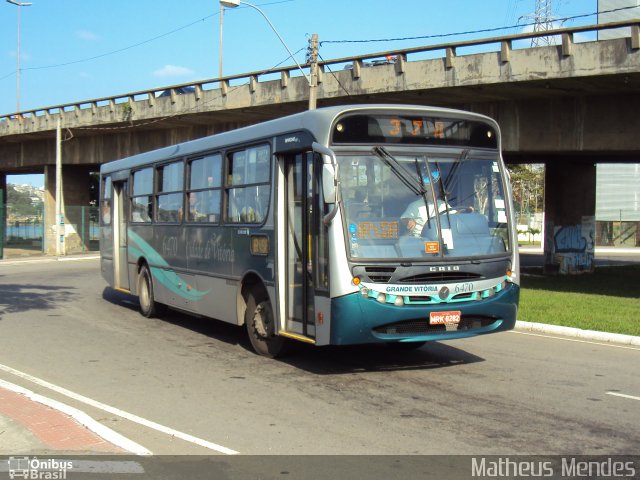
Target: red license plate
[(445, 318)]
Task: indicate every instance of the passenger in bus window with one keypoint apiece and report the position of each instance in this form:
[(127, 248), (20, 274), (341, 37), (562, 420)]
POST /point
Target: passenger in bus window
[(196, 212)]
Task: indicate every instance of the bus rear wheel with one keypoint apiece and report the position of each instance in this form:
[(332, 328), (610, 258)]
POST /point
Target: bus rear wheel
[(260, 323), (148, 306)]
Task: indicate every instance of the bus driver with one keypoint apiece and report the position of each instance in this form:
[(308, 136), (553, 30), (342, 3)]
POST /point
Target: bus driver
[(422, 209)]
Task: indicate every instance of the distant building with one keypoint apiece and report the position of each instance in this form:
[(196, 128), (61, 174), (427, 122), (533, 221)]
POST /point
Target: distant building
[(616, 11), (617, 185)]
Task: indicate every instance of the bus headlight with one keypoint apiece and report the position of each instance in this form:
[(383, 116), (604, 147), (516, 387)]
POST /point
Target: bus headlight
[(382, 298), (364, 291), (399, 301)]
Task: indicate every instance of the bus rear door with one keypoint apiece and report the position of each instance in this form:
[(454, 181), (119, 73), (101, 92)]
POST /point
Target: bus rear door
[(120, 256)]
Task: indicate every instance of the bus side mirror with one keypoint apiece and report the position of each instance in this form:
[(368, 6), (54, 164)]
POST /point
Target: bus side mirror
[(329, 183)]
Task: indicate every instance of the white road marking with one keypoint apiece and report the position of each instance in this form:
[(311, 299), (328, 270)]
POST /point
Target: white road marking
[(120, 413), (81, 417), (77, 259), (48, 260), (616, 394), (575, 340)]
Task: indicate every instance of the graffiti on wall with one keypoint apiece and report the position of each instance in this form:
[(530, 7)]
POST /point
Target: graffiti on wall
[(573, 246)]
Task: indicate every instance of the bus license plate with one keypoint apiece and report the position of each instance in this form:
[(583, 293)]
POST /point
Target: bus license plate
[(445, 318)]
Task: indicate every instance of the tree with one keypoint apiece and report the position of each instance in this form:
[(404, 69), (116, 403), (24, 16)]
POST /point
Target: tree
[(22, 202), (527, 182)]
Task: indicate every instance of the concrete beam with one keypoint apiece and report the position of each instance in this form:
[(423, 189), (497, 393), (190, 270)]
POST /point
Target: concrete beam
[(493, 76)]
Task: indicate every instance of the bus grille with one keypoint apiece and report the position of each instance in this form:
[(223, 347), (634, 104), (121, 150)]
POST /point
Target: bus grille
[(419, 327), (440, 277), (379, 274)]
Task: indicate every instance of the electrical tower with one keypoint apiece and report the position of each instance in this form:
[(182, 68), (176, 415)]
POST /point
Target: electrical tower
[(543, 19)]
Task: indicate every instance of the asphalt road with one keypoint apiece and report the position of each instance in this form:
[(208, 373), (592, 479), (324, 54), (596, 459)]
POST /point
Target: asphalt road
[(509, 393)]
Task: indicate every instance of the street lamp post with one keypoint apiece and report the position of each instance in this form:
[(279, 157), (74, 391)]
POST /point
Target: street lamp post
[(311, 79), (19, 5)]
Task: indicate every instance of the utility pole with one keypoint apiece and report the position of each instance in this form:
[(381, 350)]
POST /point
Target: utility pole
[(59, 225), (19, 5), (221, 38), (312, 57)]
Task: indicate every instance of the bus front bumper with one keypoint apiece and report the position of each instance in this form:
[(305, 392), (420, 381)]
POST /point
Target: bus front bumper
[(358, 319)]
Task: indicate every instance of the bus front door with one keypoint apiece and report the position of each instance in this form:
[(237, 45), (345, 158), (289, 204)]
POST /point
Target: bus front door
[(120, 259), (300, 245)]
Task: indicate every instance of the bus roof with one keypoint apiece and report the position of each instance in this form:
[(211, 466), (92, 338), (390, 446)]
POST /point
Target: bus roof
[(318, 122)]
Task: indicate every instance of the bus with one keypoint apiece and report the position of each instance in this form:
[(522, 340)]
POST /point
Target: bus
[(389, 224)]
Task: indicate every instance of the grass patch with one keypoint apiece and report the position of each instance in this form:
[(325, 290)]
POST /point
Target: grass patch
[(607, 300)]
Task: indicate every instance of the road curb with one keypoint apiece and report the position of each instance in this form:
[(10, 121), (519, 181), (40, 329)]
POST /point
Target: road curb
[(592, 335)]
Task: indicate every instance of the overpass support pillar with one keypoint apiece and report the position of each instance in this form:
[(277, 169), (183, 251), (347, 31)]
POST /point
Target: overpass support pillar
[(75, 194), (570, 205), (3, 212)]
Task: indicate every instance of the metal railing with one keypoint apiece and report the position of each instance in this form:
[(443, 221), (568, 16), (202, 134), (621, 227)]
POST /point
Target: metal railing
[(223, 83), (27, 232)]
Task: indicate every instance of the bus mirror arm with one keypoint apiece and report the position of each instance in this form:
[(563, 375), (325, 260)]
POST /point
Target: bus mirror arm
[(330, 181)]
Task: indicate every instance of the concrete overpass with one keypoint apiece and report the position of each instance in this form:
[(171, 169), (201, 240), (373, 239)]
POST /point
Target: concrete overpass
[(568, 106)]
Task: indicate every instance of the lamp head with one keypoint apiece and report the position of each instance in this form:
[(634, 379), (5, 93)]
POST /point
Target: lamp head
[(226, 3)]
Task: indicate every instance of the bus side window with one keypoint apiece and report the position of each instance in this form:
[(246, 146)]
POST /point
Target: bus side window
[(204, 187), (248, 187), (142, 196), (169, 198), (105, 210)]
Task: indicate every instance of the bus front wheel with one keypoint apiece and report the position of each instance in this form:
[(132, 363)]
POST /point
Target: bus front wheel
[(148, 306), (260, 323)]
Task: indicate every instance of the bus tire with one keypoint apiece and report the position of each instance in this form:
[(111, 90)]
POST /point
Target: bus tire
[(260, 323), (148, 306)]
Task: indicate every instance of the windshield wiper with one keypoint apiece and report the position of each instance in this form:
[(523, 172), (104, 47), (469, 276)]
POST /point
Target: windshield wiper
[(410, 182)]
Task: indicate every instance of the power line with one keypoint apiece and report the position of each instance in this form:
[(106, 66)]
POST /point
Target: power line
[(135, 45), (484, 30), (335, 77)]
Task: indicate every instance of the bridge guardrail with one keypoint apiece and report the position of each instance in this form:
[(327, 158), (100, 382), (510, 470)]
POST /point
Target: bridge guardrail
[(357, 62)]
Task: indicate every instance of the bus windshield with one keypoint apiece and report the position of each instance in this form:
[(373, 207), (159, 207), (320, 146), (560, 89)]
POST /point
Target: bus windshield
[(399, 205)]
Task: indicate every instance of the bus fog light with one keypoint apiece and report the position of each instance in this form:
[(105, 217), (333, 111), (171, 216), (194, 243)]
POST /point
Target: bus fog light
[(382, 298), (399, 301)]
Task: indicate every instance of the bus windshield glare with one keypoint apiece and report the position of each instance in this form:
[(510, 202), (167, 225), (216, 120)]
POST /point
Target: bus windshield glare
[(390, 201)]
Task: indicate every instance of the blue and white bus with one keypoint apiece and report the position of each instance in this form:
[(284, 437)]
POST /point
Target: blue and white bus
[(388, 224)]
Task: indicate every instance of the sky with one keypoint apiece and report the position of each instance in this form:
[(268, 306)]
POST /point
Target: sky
[(78, 50)]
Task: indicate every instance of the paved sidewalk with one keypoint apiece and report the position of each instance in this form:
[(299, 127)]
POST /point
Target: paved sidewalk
[(30, 427)]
